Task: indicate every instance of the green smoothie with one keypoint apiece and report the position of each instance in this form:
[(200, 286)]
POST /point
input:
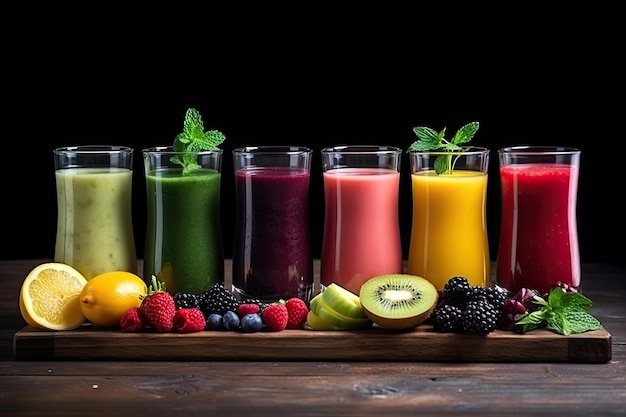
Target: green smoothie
[(183, 234)]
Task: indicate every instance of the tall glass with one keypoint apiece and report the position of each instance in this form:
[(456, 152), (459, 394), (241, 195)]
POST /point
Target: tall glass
[(94, 222), (449, 228), (272, 257), (361, 225), (183, 234), (538, 245)]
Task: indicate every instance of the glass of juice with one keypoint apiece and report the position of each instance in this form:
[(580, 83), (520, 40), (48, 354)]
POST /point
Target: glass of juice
[(272, 256), (538, 246), (449, 227), (361, 236), (94, 220), (183, 233)]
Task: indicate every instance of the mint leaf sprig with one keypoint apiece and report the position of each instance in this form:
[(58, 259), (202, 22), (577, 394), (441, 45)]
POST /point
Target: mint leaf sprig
[(194, 139), (563, 312), (431, 140)]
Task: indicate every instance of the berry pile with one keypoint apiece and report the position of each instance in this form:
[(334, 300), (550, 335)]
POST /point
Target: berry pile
[(217, 308), (480, 310), (471, 309)]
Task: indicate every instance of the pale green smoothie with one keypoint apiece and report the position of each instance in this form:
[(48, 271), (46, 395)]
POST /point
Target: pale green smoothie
[(94, 227)]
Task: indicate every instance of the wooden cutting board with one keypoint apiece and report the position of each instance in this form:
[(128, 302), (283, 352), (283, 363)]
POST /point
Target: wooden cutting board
[(420, 344)]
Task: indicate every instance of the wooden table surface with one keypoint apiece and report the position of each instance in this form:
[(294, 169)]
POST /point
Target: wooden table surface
[(311, 388)]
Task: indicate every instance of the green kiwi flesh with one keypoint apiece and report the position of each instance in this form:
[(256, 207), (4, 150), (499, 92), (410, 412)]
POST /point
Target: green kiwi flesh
[(343, 301), (315, 322), (335, 318), (398, 301)]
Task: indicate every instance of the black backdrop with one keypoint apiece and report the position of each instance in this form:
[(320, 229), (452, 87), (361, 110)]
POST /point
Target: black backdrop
[(315, 78)]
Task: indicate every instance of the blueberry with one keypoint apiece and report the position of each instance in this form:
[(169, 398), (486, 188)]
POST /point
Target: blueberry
[(231, 320), (214, 322), (251, 323)]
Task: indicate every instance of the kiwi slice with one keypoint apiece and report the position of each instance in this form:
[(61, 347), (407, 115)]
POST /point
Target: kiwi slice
[(338, 320), (343, 301), (398, 301), (315, 322)]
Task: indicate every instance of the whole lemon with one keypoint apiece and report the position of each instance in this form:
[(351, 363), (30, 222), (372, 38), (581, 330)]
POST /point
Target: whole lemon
[(106, 297)]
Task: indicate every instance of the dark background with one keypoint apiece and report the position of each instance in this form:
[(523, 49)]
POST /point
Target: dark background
[(314, 78)]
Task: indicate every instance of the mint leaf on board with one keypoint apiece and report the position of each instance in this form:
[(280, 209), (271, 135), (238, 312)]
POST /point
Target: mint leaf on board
[(431, 140), (564, 313), (194, 139)]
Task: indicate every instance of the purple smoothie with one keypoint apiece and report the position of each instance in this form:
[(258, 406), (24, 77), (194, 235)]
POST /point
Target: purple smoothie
[(272, 257)]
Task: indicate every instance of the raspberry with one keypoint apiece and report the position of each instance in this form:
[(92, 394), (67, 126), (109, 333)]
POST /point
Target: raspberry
[(247, 308), (275, 317), (189, 320), (258, 302), (132, 321), (297, 311)]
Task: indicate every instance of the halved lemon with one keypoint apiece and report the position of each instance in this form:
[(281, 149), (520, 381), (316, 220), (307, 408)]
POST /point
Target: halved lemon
[(50, 297)]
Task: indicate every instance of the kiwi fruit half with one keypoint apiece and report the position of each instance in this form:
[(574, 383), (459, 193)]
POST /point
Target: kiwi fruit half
[(398, 301)]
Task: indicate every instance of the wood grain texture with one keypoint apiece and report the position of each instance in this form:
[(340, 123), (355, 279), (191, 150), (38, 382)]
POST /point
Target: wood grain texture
[(376, 344), (133, 387)]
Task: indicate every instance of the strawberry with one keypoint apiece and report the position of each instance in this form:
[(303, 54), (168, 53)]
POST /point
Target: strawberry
[(189, 320), (131, 320), (297, 311), (275, 316), (247, 308), (158, 307)]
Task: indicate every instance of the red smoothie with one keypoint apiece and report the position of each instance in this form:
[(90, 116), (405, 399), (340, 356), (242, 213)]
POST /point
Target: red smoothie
[(538, 244), (272, 255)]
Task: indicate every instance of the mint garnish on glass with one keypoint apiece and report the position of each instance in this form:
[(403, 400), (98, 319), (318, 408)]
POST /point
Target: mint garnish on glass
[(563, 312), (431, 140), (194, 139)]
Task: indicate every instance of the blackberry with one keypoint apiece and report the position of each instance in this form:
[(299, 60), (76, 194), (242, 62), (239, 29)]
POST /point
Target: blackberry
[(217, 299), (457, 291), (448, 319), (496, 296), (479, 317), (186, 300)]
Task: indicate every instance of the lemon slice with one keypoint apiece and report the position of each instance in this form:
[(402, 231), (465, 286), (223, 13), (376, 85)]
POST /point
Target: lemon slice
[(50, 297)]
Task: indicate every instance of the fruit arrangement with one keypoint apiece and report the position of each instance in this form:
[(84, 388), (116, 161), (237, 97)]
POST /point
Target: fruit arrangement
[(55, 296)]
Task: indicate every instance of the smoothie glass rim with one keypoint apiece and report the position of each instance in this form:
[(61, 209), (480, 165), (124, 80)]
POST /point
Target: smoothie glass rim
[(170, 150), (341, 157), (272, 149), (539, 150), (93, 156), (474, 150), (362, 149), (94, 149)]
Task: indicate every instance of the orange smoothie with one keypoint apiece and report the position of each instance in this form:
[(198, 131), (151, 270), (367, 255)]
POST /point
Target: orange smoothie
[(362, 231), (449, 230)]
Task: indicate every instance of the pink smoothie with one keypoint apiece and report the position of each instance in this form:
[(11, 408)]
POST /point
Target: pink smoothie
[(361, 229), (538, 237)]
